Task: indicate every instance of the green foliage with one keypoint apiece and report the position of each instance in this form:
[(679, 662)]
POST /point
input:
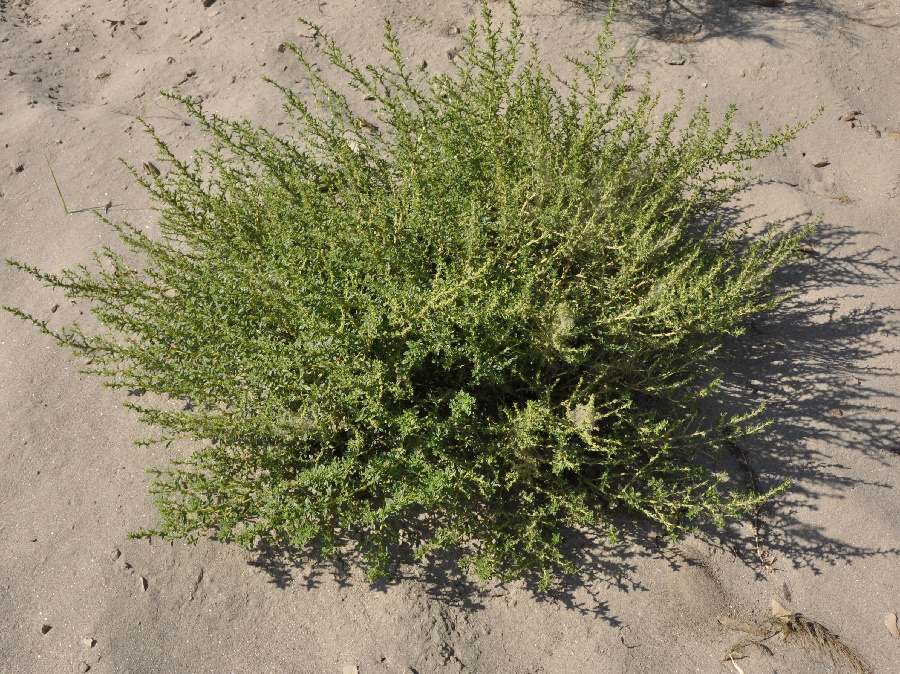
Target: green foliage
[(485, 315)]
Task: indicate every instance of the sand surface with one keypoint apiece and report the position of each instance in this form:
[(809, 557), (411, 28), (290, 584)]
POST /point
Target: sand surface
[(76, 595)]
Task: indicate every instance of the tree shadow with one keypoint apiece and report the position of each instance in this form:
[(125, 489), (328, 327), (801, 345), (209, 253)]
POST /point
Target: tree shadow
[(689, 21)]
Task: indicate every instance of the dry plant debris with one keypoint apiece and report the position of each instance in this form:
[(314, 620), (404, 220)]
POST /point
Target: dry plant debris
[(793, 627), (765, 556)]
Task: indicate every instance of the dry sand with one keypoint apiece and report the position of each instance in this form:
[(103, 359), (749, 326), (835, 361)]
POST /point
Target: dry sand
[(75, 594)]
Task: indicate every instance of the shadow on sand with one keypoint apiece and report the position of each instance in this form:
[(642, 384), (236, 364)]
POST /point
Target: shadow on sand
[(818, 365), (688, 21)]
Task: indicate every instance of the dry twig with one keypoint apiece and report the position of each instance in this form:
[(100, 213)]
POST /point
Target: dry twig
[(765, 556), (793, 627)]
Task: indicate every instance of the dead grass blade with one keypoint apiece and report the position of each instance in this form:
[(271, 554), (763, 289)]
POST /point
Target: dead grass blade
[(797, 628)]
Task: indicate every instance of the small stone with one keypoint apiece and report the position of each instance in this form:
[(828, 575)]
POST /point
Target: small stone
[(170, 60), (89, 642), (822, 163), (122, 565), (207, 3), (452, 30), (423, 64), (84, 667), (836, 413), (54, 308), (46, 628), (873, 130), (350, 669), (190, 73), (142, 583), (890, 621), (849, 117)]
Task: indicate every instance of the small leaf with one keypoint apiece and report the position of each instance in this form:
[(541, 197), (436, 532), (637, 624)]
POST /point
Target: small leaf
[(780, 612)]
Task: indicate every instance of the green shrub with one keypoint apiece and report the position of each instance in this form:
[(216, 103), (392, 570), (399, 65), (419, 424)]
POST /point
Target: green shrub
[(487, 314)]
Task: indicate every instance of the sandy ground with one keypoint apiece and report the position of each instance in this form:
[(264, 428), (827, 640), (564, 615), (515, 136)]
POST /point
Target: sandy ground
[(76, 595)]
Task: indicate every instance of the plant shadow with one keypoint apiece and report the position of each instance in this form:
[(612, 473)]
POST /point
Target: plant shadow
[(442, 575), (689, 21), (818, 364)]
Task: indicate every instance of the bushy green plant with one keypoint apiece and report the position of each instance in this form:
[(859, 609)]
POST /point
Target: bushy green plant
[(487, 314)]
